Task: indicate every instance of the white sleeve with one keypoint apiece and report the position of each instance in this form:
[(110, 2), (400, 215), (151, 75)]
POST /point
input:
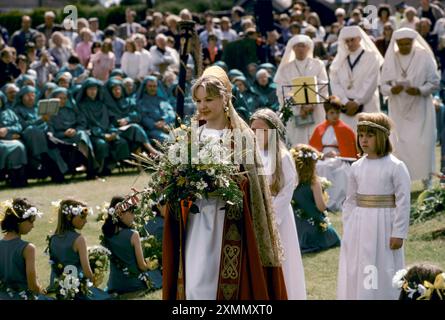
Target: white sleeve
[(351, 195), (368, 87), (385, 89), (402, 186), (337, 88), (432, 82), (322, 78), (124, 62), (283, 199), (143, 65)]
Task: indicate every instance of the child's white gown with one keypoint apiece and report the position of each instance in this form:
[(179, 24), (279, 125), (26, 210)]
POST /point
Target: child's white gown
[(367, 264), (293, 270), (335, 170)]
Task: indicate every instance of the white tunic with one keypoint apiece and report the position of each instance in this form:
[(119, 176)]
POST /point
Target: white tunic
[(364, 79), (414, 116), (293, 269), (130, 63), (309, 67), (203, 244), (367, 264), (335, 170)]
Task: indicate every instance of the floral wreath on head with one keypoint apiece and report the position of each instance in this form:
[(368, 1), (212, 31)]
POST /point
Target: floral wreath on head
[(424, 290), (76, 210), (305, 154), (8, 207), (130, 202)]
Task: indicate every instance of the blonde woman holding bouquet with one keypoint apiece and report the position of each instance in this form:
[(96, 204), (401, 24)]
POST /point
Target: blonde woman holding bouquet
[(282, 175), (221, 251)]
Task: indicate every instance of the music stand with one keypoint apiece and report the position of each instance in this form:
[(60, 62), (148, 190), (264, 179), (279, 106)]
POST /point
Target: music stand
[(286, 110)]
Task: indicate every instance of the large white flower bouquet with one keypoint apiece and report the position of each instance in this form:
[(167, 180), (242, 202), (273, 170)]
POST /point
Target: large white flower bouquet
[(180, 173)]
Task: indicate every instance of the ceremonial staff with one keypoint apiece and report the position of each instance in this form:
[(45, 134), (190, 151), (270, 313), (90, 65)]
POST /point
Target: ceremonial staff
[(189, 41)]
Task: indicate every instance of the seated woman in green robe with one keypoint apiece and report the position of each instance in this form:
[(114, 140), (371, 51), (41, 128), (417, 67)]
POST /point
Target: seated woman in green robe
[(68, 127), (43, 157), (12, 151), (46, 91), (157, 114), (250, 97), (109, 146), (10, 90), (266, 89), (125, 116)]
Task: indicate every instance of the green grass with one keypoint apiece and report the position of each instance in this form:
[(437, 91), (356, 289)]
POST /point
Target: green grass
[(320, 268)]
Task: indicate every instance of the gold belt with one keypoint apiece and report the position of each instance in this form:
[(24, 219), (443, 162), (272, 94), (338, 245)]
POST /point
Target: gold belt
[(376, 201)]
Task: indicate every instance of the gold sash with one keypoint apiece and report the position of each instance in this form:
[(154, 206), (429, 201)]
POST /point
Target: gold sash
[(376, 201)]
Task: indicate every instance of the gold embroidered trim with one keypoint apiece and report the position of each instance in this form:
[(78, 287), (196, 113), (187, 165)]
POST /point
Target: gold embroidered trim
[(233, 234), (231, 261), (228, 290), (234, 212), (376, 201)]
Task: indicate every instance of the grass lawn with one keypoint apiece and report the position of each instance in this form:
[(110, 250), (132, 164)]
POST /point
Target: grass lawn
[(320, 268)]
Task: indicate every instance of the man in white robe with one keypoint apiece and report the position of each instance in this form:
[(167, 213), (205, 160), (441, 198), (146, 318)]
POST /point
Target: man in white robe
[(409, 77), (354, 74), (298, 61)]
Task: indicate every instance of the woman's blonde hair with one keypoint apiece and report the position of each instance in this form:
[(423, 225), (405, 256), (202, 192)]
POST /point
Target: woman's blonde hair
[(378, 124), (305, 157), (214, 88)]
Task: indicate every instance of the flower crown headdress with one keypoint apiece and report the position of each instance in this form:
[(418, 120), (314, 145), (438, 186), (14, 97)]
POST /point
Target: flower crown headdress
[(8, 207), (304, 154), (424, 290), (76, 210), (128, 203)]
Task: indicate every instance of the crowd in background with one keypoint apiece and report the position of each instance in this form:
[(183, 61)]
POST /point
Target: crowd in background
[(118, 84)]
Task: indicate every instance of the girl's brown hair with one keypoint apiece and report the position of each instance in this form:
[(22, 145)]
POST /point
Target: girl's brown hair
[(64, 221), (305, 158), (132, 43), (383, 144), (333, 102), (107, 45), (14, 216), (416, 275)]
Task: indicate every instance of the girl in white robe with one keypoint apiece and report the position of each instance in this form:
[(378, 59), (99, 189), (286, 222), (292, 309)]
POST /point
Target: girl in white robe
[(272, 152), (375, 216)]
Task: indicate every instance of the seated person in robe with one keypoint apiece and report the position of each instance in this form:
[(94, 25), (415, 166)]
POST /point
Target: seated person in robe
[(334, 139)]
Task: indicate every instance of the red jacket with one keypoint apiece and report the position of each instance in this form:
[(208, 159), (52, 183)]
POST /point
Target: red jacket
[(345, 137)]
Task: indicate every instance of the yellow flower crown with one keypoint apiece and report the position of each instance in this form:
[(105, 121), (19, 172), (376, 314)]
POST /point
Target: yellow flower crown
[(7, 207), (425, 290)]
